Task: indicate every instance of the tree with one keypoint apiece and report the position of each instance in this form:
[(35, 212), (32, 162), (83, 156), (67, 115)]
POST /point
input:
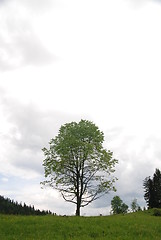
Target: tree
[(77, 165), (157, 188), (149, 192), (118, 206), (134, 205), (124, 208), (152, 188)]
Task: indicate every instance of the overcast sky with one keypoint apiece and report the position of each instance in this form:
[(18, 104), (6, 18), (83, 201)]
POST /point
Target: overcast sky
[(62, 61)]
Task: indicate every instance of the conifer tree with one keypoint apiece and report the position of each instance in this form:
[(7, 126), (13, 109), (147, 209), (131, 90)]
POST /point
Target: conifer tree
[(152, 188)]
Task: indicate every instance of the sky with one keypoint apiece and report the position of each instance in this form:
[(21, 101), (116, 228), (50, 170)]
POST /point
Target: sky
[(63, 61)]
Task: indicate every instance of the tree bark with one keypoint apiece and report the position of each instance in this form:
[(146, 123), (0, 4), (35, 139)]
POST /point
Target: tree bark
[(78, 208), (78, 192)]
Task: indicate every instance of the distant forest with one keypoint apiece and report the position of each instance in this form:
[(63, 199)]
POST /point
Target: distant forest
[(8, 206)]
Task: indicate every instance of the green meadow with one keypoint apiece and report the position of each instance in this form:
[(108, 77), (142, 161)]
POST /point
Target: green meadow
[(140, 225)]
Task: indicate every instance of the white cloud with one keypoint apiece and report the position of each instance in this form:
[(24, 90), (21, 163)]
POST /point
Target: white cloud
[(141, 3), (4, 179)]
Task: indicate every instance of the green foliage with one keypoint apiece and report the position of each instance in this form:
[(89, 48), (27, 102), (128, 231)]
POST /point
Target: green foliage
[(77, 165), (134, 205), (118, 206), (157, 212), (140, 226), (152, 189)]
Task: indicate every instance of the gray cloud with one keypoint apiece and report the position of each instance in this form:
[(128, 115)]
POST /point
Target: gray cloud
[(22, 48), (2, 2), (19, 45), (32, 51), (138, 157), (30, 129), (38, 5)]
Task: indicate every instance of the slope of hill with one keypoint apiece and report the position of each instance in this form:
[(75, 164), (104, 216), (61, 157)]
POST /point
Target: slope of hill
[(140, 226)]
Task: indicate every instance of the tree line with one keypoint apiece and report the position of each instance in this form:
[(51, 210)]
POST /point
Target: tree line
[(118, 206), (8, 206)]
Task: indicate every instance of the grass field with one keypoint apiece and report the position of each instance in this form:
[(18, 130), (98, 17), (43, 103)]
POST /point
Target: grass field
[(140, 225)]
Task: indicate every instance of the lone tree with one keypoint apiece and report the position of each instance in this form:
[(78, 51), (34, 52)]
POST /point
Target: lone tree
[(77, 165)]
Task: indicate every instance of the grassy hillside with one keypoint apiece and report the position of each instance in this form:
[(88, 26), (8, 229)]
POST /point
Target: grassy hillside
[(141, 225)]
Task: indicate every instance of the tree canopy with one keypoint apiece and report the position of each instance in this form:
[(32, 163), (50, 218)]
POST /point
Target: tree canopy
[(77, 164), (152, 188), (118, 206)]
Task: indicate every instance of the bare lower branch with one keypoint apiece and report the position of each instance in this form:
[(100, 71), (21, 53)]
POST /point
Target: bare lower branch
[(68, 200)]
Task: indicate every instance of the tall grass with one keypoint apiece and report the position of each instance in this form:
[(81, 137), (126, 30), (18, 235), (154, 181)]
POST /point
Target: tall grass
[(138, 226)]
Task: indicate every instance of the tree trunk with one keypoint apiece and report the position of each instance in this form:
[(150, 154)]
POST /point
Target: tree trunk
[(78, 192), (78, 208), (78, 205)]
